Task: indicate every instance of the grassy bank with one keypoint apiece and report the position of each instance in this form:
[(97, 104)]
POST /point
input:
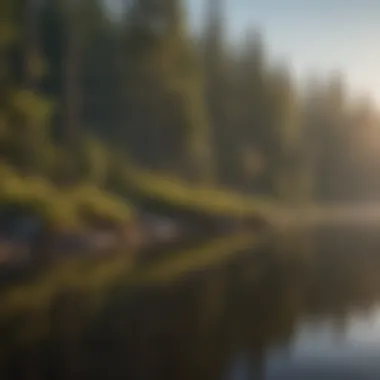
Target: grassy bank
[(203, 199), (69, 205), (66, 207)]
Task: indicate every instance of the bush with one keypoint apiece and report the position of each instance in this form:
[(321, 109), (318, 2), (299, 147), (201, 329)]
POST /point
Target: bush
[(61, 207)]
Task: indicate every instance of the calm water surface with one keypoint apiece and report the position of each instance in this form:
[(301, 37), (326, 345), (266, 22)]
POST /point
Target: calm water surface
[(303, 306)]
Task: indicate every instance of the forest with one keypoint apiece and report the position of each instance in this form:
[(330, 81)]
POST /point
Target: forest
[(107, 118), (94, 104)]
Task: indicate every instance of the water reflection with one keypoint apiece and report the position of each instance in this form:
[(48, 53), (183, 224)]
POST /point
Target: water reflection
[(288, 311)]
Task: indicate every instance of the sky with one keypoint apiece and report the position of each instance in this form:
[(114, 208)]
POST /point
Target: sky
[(313, 36)]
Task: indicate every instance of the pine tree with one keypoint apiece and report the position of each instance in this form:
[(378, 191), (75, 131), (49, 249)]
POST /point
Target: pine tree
[(25, 114), (167, 119), (218, 76), (286, 127), (255, 135)]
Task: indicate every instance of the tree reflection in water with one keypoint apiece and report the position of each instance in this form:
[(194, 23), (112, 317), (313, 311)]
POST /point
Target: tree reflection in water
[(219, 324)]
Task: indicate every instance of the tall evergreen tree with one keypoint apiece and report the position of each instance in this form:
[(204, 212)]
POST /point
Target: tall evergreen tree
[(167, 119)]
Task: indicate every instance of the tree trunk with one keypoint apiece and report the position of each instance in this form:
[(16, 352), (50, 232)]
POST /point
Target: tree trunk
[(71, 87), (31, 44), (71, 81)]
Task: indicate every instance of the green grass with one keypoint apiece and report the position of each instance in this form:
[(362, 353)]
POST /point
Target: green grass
[(214, 201), (68, 206), (61, 207)]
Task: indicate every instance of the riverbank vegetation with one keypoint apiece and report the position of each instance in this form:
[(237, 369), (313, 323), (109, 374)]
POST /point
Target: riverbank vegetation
[(113, 104), (65, 207), (113, 124), (105, 117)]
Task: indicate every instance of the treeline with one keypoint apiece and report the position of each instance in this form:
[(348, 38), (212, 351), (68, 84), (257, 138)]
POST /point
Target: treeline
[(85, 94)]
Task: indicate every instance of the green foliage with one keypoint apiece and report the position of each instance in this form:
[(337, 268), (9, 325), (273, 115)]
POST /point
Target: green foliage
[(205, 199), (68, 207), (7, 33), (95, 161), (8, 29), (218, 122), (30, 106), (95, 203), (165, 94)]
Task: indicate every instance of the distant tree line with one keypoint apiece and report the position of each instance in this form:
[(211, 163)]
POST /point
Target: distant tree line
[(83, 94)]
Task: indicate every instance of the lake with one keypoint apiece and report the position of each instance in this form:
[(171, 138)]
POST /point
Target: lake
[(303, 305)]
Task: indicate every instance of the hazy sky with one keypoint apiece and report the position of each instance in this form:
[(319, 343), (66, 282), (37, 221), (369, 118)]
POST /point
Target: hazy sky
[(313, 35)]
